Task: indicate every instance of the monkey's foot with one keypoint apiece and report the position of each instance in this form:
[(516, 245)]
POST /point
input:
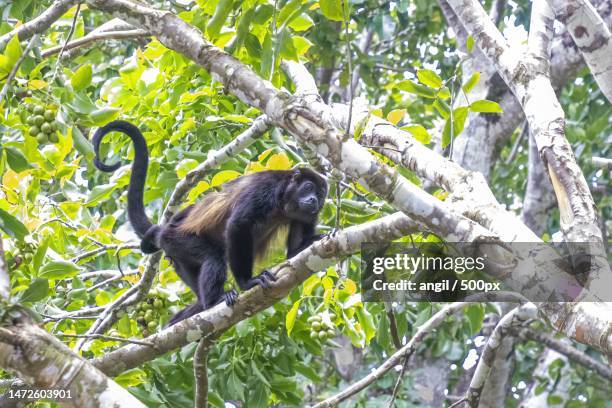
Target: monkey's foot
[(332, 233), (269, 275), (230, 297), (264, 280)]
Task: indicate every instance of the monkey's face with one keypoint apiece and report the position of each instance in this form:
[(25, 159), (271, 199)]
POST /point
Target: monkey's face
[(306, 196)]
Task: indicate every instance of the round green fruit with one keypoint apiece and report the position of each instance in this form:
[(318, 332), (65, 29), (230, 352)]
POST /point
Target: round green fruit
[(315, 318), (38, 120), (30, 120), (53, 138), (49, 115), (158, 304), (34, 130), (315, 325), (148, 315), (322, 335), (42, 138), (331, 333), (46, 128), (39, 110), (54, 124), (152, 325), (314, 335)]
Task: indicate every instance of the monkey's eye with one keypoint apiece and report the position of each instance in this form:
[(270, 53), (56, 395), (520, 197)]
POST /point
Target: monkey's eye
[(308, 187)]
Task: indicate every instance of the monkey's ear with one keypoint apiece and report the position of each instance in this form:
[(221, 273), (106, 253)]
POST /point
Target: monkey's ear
[(297, 174)]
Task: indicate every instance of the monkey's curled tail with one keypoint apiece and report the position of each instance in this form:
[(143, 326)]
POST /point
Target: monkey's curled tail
[(148, 232)]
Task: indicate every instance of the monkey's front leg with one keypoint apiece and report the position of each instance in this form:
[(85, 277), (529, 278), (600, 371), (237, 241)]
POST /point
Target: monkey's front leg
[(240, 253)]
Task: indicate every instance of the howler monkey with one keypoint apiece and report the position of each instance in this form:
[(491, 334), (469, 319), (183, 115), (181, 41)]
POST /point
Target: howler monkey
[(231, 226)]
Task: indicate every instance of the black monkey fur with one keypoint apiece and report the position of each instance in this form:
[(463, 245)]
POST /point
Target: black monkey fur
[(231, 226)]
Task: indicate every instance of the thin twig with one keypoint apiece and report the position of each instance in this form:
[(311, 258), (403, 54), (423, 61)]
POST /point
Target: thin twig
[(90, 38), (518, 143), (104, 337), (399, 381), (70, 33)]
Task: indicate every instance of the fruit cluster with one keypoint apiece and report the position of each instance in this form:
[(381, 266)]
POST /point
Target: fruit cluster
[(43, 125), (319, 329), (148, 313), (23, 254)]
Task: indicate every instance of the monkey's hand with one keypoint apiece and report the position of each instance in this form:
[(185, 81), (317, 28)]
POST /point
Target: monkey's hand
[(230, 297), (264, 280), (331, 234)]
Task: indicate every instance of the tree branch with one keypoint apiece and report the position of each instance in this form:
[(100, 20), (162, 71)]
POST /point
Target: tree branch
[(39, 24), (395, 359), (200, 371), (527, 333), (592, 37), (90, 38), (212, 322), (516, 317)]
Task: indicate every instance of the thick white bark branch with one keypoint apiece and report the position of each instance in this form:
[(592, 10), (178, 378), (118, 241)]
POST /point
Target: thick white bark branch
[(43, 362), (591, 35), (527, 75), (291, 273), (311, 125), (516, 317)]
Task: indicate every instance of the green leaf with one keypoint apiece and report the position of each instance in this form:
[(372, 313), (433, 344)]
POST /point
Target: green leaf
[(59, 270), (82, 144), (16, 160), (429, 78), (82, 77), (243, 28), (301, 23), (471, 83), (418, 132), (13, 51), (99, 193), (367, 323), (469, 43), (218, 19), (442, 107), (287, 49), (459, 117), (486, 106), (475, 315), (259, 374), (267, 57), (185, 166), (258, 396), (12, 226), (332, 9), (291, 316), (102, 116), (412, 87), (37, 290)]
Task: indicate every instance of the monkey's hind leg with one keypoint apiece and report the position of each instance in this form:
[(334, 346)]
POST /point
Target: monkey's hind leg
[(213, 274), (185, 313)]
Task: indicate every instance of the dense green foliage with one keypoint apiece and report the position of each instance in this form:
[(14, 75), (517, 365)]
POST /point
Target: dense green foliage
[(55, 206)]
